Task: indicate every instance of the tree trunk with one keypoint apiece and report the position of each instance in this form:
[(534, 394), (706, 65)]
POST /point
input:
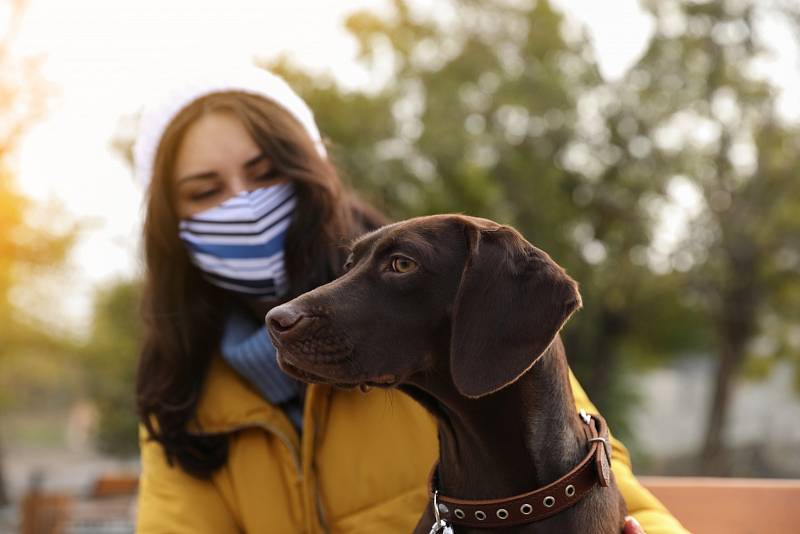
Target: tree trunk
[(714, 455), (736, 324), (604, 362)]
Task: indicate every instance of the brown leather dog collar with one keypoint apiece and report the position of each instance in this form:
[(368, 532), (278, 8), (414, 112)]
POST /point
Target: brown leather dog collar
[(539, 503)]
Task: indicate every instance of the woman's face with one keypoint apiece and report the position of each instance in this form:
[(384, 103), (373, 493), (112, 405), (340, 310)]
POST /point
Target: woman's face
[(216, 160)]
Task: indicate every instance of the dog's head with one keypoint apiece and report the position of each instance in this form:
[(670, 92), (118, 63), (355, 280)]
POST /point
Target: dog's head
[(445, 286)]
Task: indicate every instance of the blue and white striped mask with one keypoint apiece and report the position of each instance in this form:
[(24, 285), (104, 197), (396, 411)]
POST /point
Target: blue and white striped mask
[(239, 243)]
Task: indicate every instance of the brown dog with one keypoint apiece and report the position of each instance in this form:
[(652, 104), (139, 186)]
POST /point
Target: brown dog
[(463, 314)]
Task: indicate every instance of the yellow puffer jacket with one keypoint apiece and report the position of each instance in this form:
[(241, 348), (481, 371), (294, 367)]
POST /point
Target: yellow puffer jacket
[(360, 467)]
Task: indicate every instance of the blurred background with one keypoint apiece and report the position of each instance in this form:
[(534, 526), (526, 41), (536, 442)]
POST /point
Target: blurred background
[(651, 147)]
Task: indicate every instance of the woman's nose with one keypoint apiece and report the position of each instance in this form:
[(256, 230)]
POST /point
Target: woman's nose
[(238, 184)]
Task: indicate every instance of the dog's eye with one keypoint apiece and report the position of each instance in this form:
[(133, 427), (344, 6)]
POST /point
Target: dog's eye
[(401, 264)]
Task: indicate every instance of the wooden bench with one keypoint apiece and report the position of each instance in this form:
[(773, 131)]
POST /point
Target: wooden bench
[(108, 502), (114, 485), (730, 505), (44, 513)]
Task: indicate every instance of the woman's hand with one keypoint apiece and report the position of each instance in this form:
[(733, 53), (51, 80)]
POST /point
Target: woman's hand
[(632, 526)]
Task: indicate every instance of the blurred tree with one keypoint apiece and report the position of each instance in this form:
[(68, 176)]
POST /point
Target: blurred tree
[(25, 248), (497, 109), (702, 106), (110, 356)]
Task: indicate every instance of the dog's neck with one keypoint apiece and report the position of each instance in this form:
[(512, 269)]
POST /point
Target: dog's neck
[(509, 442)]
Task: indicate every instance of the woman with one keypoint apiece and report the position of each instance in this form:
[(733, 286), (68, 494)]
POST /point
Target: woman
[(243, 210)]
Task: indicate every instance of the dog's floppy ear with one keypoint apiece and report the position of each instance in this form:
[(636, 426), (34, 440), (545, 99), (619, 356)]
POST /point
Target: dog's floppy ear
[(512, 301)]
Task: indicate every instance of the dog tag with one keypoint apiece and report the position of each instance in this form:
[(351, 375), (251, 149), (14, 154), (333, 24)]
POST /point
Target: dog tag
[(441, 527)]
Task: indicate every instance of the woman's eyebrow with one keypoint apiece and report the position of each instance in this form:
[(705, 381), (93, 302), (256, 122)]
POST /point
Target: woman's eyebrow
[(212, 174), (198, 176), (256, 160)]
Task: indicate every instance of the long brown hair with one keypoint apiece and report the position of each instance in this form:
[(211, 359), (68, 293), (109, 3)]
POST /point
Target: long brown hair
[(183, 314)]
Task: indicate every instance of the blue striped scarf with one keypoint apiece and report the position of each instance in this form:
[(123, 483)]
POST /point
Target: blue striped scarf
[(247, 348)]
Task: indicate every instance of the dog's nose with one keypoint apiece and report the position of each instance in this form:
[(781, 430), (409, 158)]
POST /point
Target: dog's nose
[(283, 318)]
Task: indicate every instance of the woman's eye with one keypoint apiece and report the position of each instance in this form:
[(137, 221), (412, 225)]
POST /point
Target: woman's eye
[(401, 264), (202, 195), (268, 176)]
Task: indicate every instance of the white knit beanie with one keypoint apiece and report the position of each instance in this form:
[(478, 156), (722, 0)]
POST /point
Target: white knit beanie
[(157, 116)]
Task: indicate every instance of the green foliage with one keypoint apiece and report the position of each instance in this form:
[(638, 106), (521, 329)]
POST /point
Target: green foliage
[(109, 359), (744, 252)]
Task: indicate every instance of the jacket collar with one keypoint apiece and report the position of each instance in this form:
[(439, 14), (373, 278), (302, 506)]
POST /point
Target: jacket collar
[(229, 403)]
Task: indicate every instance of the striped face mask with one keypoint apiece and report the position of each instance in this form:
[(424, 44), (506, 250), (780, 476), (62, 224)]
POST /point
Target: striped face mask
[(239, 244)]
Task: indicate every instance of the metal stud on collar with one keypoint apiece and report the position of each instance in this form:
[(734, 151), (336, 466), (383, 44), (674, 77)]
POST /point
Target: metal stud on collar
[(480, 515), (526, 509), (549, 501), (459, 513), (502, 513), (569, 490)]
